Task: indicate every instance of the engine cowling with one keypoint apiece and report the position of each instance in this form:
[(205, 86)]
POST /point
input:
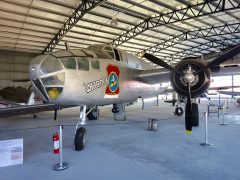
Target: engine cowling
[(184, 73)]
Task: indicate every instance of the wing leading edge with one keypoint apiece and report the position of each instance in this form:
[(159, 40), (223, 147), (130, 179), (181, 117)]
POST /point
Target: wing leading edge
[(154, 76)]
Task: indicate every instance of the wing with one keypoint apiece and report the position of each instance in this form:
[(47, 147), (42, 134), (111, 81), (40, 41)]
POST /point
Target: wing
[(27, 109), (222, 88), (153, 76), (232, 93)]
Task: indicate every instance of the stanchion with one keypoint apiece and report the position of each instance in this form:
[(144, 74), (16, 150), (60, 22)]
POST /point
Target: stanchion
[(206, 143), (152, 124), (61, 165), (223, 115), (227, 106)]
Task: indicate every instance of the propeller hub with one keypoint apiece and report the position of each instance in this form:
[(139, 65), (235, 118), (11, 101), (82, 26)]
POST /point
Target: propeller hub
[(184, 74), (189, 76)]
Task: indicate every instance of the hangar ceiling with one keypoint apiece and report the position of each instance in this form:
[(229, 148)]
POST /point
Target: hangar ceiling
[(170, 29)]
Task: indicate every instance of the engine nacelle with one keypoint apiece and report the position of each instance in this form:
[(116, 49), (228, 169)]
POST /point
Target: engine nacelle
[(184, 72)]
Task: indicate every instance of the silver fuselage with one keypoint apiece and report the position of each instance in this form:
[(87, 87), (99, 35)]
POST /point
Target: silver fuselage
[(61, 78), (86, 87)]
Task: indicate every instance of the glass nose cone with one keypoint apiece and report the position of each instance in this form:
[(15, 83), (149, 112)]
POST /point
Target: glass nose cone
[(49, 65), (48, 76)]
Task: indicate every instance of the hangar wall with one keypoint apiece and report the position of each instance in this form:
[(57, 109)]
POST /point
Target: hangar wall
[(14, 66)]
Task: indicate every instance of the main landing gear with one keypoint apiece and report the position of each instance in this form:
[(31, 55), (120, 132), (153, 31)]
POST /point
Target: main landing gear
[(92, 112), (178, 111), (195, 114)]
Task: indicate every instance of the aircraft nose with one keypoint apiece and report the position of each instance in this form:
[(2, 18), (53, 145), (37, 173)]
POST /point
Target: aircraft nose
[(48, 76)]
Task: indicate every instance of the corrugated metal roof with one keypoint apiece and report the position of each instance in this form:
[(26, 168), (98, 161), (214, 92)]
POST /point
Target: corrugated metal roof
[(29, 25)]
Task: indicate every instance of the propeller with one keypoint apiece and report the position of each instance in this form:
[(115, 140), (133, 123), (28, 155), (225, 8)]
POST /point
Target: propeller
[(156, 60), (188, 111), (220, 59), (189, 76)]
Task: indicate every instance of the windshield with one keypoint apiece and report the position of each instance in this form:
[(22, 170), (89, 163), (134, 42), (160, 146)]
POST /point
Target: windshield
[(69, 62)]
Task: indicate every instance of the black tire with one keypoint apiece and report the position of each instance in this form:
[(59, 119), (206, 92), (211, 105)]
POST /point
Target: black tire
[(178, 111), (93, 115), (195, 121), (80, 139)]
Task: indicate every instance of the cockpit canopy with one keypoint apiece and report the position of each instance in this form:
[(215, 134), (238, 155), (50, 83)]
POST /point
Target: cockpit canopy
[(106, 49)]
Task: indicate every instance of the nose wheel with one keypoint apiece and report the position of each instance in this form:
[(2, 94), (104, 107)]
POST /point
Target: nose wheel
[(80, 139)]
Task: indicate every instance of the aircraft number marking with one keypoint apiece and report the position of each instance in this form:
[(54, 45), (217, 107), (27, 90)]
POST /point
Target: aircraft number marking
[(91, 86)]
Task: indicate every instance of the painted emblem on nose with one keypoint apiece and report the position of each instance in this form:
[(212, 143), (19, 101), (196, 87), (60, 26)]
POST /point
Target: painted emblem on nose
[(112, 89)]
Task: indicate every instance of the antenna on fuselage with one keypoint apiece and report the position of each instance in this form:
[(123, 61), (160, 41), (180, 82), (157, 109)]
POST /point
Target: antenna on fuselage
[(67, 45)]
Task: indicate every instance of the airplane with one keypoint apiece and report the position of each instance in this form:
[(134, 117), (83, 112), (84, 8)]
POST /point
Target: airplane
[(17, 100), (232, 93), (102, 74), (16, 94)]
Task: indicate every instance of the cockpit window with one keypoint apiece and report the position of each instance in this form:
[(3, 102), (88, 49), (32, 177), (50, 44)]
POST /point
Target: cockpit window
[(50, 64), (108, 48), (109, 51), (101, 55), (54, 80), (95, 47), (95, 64), (69, 62), (62, 53), (83, 64)]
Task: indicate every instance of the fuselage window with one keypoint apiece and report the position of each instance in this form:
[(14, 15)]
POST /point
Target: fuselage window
[(83, 64), (69, 62), (95, 64)]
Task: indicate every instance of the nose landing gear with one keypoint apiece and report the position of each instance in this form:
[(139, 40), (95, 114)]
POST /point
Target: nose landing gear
[(81, 132), (92, 113), (80, 139)]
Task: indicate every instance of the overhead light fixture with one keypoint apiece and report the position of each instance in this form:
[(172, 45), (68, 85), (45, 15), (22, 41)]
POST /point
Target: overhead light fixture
[(114, 21), (218, 50)]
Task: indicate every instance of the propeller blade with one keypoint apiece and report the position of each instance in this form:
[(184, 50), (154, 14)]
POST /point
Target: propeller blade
[(188, 112), (156, 60), (226, 56)]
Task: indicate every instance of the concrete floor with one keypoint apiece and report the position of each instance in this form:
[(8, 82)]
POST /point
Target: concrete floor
[(126, 150)]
